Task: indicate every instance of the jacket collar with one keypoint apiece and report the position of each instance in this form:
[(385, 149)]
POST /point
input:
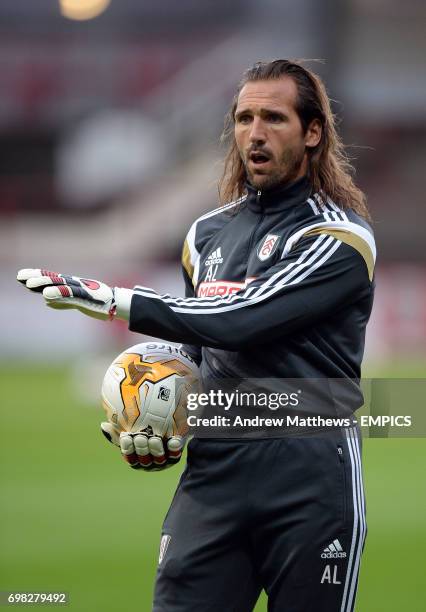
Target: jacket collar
[(280, 198)]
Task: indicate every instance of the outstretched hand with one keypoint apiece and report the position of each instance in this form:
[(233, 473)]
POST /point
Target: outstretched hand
[(62, 291)]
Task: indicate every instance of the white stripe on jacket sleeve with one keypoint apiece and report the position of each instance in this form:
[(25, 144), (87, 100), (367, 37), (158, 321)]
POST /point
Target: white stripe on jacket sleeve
[(309, 260)]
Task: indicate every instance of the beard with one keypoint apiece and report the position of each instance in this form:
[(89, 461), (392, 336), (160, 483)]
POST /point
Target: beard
[(286, 170)]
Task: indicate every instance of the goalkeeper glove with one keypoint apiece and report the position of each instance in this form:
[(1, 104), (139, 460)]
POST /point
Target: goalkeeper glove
[(143, 450), (91, 297)]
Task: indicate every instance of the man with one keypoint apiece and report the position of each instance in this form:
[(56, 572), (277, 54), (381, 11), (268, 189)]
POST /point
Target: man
[(279, 284)]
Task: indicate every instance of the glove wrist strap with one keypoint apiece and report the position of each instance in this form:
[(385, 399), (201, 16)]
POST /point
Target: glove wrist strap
[(123, 300)]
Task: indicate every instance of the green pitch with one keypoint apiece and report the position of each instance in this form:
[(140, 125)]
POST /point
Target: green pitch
[(75, 518)]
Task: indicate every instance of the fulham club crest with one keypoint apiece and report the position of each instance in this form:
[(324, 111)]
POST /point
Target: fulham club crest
[(267, 247)]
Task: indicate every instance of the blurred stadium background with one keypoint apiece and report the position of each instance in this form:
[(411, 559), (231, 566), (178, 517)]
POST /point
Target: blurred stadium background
[(110, 115)]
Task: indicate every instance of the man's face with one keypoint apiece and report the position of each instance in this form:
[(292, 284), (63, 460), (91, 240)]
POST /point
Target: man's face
[(269, 134)]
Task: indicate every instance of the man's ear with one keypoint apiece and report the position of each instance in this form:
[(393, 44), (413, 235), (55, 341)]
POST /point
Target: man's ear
[(313, 133)]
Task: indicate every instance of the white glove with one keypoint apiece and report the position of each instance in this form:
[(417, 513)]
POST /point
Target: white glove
[(91, 297), (142, 450)]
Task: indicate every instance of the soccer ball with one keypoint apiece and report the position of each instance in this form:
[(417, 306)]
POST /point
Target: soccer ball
[(145, 389)]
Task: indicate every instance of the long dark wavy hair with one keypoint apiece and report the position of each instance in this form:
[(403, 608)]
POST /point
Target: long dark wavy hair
[(330, 169)]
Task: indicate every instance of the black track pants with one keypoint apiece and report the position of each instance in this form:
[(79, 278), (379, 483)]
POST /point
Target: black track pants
[(286, 515)]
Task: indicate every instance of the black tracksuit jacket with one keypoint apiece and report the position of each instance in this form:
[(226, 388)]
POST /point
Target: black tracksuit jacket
[(279, 284)]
